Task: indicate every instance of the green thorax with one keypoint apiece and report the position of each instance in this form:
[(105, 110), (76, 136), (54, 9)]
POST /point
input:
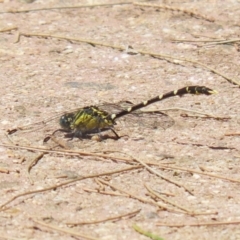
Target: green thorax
[(87, 120)]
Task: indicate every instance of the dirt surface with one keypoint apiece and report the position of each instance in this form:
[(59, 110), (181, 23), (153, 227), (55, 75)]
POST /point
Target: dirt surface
[(93, 55)]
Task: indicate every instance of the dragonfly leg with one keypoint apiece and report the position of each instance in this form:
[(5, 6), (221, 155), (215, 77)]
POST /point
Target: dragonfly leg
[(117, 136), (101, 137)]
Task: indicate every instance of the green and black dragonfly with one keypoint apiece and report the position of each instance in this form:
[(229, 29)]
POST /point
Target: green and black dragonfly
[(93, 119)]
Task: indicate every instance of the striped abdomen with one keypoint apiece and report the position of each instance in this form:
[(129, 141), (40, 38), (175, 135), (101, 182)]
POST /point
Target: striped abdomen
[(179, 92)]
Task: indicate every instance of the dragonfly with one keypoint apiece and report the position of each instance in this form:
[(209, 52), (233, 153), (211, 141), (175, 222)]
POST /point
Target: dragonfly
[(88, 120), (93, 119)]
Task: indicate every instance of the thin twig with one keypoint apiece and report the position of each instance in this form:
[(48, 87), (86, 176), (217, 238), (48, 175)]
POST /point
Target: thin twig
[(223, 42), (197, 40), (167, 200), (33, 163), (167, 7), (204, 145), (131, 214), (198, 224), (232, 134), (204, 35), (152, 54), (65, 183), (198, 172), (77, 153), (104, 192), (59, 142), (101, 186), (64, 230), (192, 111), (65, 152), (9, 29), (141, 199), (65, 7), (162, 176), (4, 170)]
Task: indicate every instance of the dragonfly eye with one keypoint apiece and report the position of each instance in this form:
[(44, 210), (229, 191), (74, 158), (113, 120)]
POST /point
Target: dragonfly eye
[(66, 120)]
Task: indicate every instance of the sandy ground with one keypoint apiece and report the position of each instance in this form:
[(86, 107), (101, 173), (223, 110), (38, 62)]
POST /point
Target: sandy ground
[(74, 57)]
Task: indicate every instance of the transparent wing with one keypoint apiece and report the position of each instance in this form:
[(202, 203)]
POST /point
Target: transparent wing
[(150, 119)]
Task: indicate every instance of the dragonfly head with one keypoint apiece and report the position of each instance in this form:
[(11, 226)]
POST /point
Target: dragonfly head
[(66, 121)]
